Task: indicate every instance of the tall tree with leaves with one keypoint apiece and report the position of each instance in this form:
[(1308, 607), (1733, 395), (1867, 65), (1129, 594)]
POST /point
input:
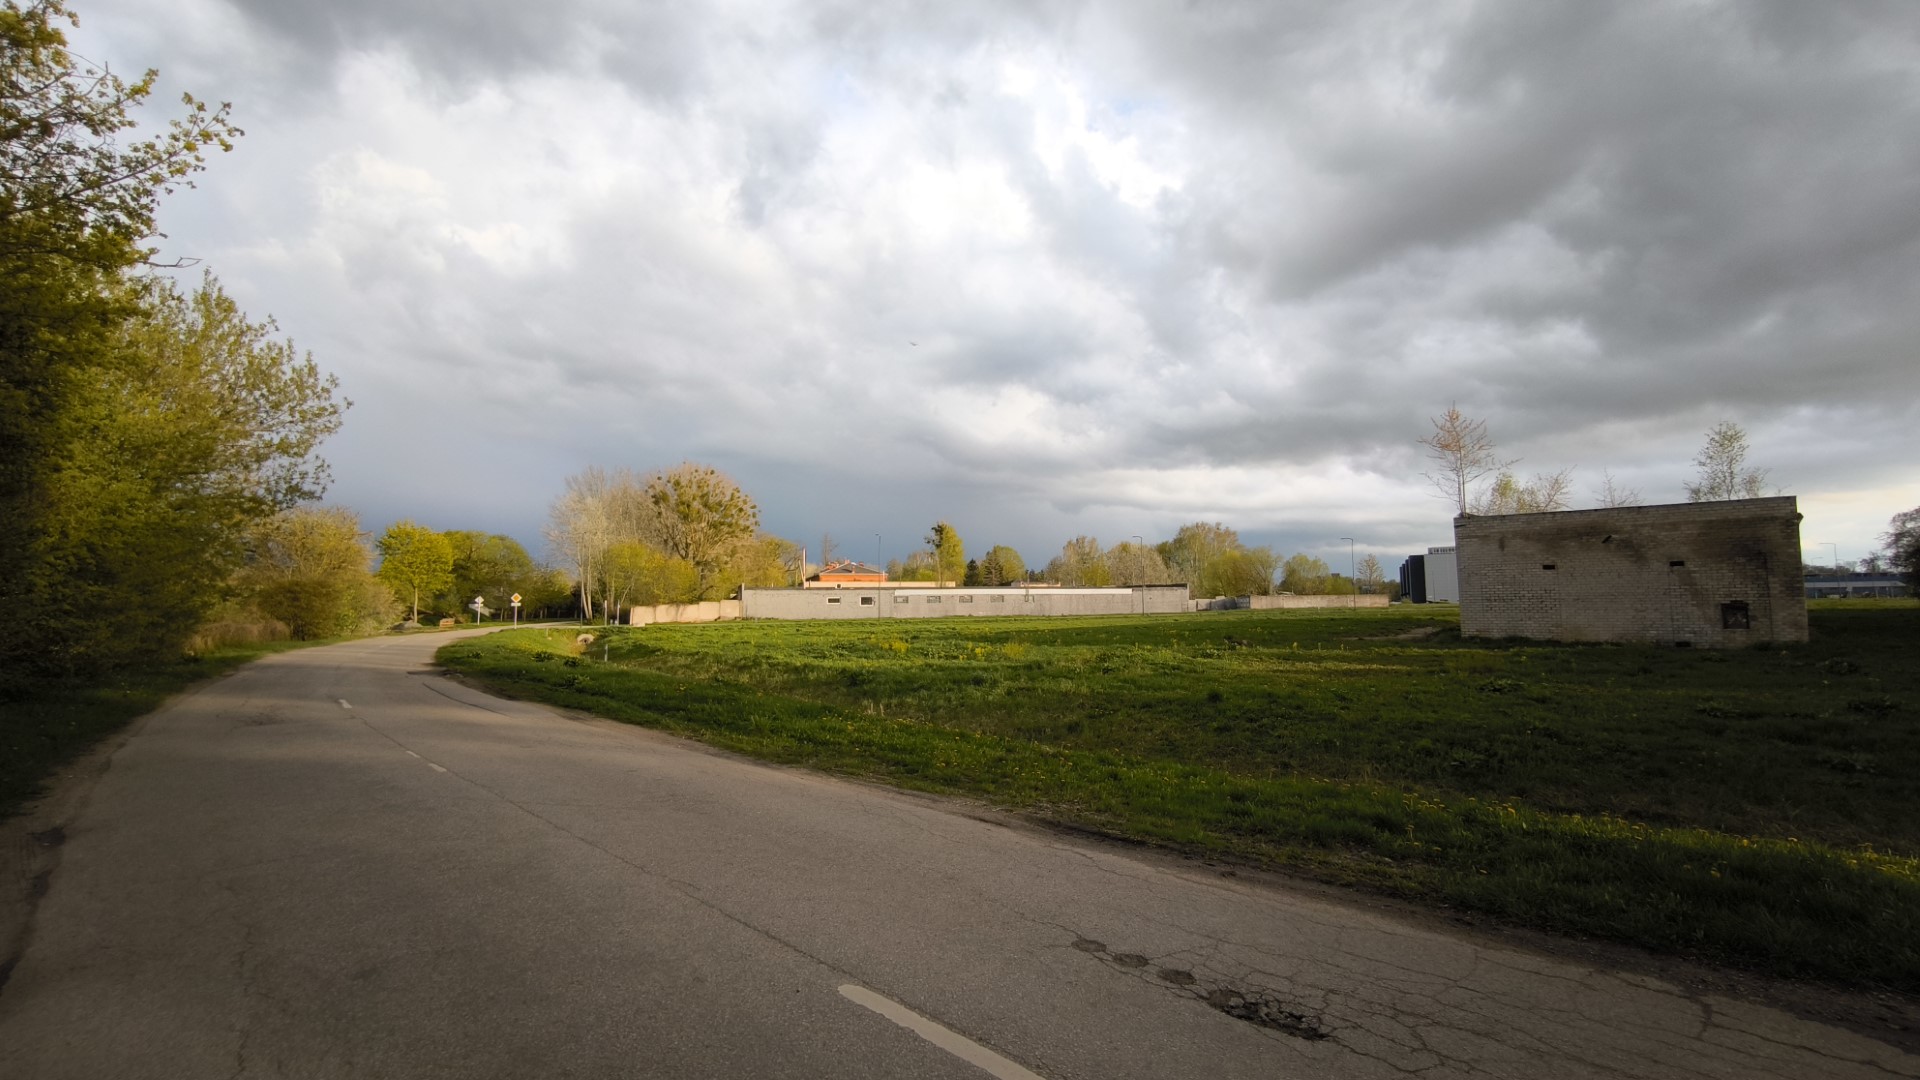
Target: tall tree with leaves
[(310, 568), (414, 559), (702, 517), (93, 566), (1193, 547), (1002, 565), (1462, 452), (1723, 467), (949, 553), (1612, 493)]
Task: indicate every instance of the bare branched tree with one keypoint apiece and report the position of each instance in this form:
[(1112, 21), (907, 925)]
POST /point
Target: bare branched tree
[(1722, 465), (1463, 452), (1616, 494)]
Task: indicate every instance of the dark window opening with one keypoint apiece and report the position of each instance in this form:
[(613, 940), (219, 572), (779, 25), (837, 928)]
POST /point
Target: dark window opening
[(1548, 566), (1677, 562), (833, 599), (866, 601), (1734, 615)]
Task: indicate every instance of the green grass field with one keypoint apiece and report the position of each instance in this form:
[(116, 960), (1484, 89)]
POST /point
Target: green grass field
[(1754, 807)]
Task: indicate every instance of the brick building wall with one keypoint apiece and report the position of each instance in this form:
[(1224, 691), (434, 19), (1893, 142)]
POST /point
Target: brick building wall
[(1700, 574)]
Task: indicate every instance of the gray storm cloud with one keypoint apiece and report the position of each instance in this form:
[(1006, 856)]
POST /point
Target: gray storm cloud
[(1074, 268)]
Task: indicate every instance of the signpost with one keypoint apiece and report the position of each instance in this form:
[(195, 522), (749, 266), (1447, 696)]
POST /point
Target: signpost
[(516, 609), (479, 607)]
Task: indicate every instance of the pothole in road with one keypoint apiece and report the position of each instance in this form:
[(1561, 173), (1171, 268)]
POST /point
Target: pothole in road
[(1267, 1011), (1262, 1008)]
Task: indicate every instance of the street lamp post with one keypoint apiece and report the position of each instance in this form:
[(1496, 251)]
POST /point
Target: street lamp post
[(1352, 577), (1140, 553), (876, 569), (1835, 548)]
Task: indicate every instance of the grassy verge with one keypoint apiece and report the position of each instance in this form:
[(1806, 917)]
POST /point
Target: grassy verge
[(1752, 807), (45, 724)]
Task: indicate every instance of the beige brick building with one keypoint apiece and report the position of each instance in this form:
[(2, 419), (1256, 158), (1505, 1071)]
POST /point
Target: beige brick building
[(1696, 574)]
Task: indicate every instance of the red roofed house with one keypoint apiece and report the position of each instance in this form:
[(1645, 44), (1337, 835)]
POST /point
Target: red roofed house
[(834, 575)]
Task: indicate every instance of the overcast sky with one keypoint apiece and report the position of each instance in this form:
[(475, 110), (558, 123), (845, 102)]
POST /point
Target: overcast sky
[(1045, 269)]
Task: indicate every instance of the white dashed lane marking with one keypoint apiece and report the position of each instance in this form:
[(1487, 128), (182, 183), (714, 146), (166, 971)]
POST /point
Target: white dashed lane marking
[(939, 1035), (344, 705), (436, 768)]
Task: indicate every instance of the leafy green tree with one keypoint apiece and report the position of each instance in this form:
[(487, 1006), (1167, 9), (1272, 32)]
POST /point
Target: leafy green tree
[(193, 425), (1136, 564), (486, 564), (1902, 540), (1081, 563), (1193, 547), (640, 575), (917, 566), (702, 516), (414, 559), (310, 569), (1723, 467), (1304, 575), (949, 554), (1002, 565), (143, 431), (972, 577), (765, 562)]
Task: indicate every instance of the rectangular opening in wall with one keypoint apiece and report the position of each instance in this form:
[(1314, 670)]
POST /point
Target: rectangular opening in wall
[(899, 598), (1548, 566), (997, 599), (933, 599), (833, 599), (1676, 562), (1734, 615), (866, 601), (966, 599)]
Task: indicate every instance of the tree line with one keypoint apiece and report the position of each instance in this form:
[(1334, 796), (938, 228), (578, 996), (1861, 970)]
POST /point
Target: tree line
[(1208, 557), (147, 431)]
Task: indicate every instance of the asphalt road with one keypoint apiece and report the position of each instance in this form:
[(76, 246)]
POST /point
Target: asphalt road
[(335, 863)]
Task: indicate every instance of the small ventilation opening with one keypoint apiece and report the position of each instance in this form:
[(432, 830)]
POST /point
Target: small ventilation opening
[(1734, 615), (1677, 562), (1548, 566)]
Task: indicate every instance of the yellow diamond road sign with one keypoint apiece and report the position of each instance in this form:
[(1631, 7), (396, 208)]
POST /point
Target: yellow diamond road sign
[(516, 598)]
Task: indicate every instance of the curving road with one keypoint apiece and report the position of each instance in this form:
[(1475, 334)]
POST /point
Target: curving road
[(335, 863)]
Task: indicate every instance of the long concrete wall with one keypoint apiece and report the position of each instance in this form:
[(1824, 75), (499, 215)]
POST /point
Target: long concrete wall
[(1286, 601), (705, 611), (1704, 574), (856, 602), (1264, 603)]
